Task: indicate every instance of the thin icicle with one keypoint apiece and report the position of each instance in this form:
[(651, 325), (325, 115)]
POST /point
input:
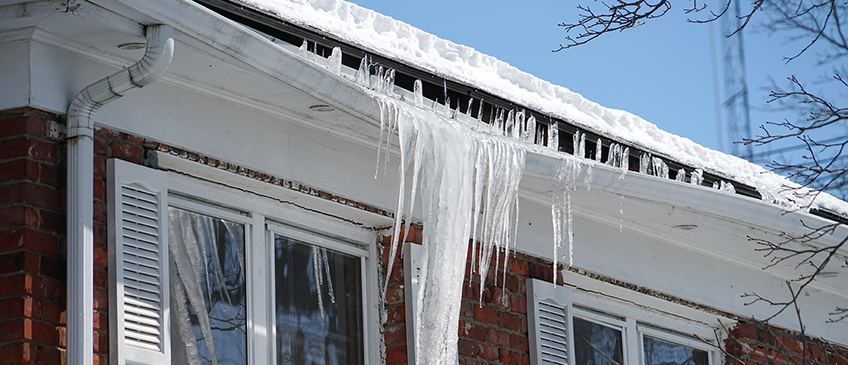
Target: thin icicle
[(728, 187), (599, 150), (659, 167), (553, 136), (575, 141), (316, 271), (644, 163), (530, 131), (363, 74)]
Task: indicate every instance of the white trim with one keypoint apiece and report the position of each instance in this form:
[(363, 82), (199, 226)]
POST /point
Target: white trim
[(313, 239)]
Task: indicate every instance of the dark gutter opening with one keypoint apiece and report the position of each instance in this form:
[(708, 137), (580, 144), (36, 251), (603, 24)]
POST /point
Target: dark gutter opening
[(433, 88)]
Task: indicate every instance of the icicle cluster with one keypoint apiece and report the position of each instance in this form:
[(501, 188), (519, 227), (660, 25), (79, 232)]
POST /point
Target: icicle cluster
[(469, 188), (333, 62)]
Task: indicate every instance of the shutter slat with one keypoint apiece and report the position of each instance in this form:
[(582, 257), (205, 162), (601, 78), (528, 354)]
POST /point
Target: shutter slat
[(550, 319)]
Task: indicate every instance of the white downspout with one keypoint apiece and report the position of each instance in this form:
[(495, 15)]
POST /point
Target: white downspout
[(80, 203)]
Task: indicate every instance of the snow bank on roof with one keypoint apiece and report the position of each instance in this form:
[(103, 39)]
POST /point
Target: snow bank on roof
[(388, 37)]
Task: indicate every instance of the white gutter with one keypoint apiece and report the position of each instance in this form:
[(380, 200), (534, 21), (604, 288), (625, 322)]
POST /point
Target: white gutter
[(80, 204)]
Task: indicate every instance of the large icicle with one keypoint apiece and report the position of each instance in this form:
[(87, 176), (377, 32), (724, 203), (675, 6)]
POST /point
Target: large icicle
[(565, 183), (461, 173)]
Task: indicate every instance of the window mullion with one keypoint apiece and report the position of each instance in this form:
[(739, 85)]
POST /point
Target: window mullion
[(632, 350), (258, 281)]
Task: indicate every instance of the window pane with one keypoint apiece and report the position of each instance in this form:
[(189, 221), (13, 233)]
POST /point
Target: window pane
[(661, 352), (595, 344), (318, 305), (208, 309)]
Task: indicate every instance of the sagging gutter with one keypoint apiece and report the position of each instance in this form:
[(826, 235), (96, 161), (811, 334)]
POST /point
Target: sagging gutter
[(80, 188)]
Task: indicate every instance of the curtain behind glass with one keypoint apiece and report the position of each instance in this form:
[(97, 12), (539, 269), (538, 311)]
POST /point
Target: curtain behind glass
[(595, 344), (208, 308), (318, 301), (660, 352)]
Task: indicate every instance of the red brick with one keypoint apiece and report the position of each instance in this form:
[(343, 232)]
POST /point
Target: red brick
[(495, 296), (101, 257), (19, 261), (101, 342), (496, 337), (468, 348), (51, 176), (53, 268), (101, 321), (513, 358), (100, 360), (394, 294), (19, 170), (473, 331), (20, 126), (519, 267), (397, 274), (128, 152), (396, 314), (52, 221), (396, 355), (486, 315), (488, 352), (509, 321), (101, 278), (544, 273), (519, 342), (17, 353), (100, 239), (16, 329), (518, 304), (101, 299), (466, 309), (18, 216), (395, 335), (44, 333), (27, 239), (30, 194), (48, 355), (100, 166), (51, 312), (28, 147), (101, 145), (100, 212), (99, 189)]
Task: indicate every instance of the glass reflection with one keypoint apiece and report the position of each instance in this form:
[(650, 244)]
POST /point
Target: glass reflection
[(661, 352), (318, 305), (595, 344), (208, 301)]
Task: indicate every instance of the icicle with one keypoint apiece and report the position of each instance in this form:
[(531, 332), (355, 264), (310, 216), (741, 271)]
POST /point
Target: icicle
[(697, 177), (564, 184), (659, 167), (326, 265), (681, 175), (363, 75), (499, 124), (334, 62), (625, 162), (614, 155), (480, 111), (599, 150), (716, 185), (530, 131), (304, 50), (553, 136), (521, 128), (512, 128), (575, 142), (418, 93), (728, 187), (644, 163), (380, 87), (581, 151), (468, 110), (316, 271)]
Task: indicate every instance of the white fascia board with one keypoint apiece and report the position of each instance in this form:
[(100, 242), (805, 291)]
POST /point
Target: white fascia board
[(742, 210), (251, 48)]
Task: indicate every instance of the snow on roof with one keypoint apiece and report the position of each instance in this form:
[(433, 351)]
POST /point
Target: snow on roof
[(394, 39)]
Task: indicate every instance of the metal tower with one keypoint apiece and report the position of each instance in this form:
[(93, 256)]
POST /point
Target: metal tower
[(735, 104)]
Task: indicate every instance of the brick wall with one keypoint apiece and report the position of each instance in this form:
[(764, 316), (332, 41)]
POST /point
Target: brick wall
[(32, 238), (757, 343), (493, 331), (32, 234)]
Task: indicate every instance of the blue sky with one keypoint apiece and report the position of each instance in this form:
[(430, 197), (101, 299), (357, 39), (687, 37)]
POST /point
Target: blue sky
[(661, 71)]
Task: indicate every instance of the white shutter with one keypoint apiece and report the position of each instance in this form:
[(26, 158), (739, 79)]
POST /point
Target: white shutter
[(549, 319), (139, 331)]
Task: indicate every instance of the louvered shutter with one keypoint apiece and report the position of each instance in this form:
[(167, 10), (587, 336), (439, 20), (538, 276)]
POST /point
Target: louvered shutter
[(411, 274), (549, 318), (139, 331)]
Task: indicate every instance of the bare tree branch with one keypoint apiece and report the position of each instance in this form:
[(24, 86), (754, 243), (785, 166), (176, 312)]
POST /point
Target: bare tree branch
[(619, 16)]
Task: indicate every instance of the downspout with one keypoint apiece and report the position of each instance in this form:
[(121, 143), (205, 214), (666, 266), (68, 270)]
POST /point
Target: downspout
[(80, 189)]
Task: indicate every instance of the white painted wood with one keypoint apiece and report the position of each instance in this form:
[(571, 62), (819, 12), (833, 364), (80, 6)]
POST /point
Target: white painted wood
[(549, 323), (411, 275), (138, 256)]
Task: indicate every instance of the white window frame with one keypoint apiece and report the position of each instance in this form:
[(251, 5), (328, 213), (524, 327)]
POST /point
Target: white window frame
[(267, 216), (635, 319)]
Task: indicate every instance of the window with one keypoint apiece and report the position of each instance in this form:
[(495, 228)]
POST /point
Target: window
[(240, 288), (572, 327)]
